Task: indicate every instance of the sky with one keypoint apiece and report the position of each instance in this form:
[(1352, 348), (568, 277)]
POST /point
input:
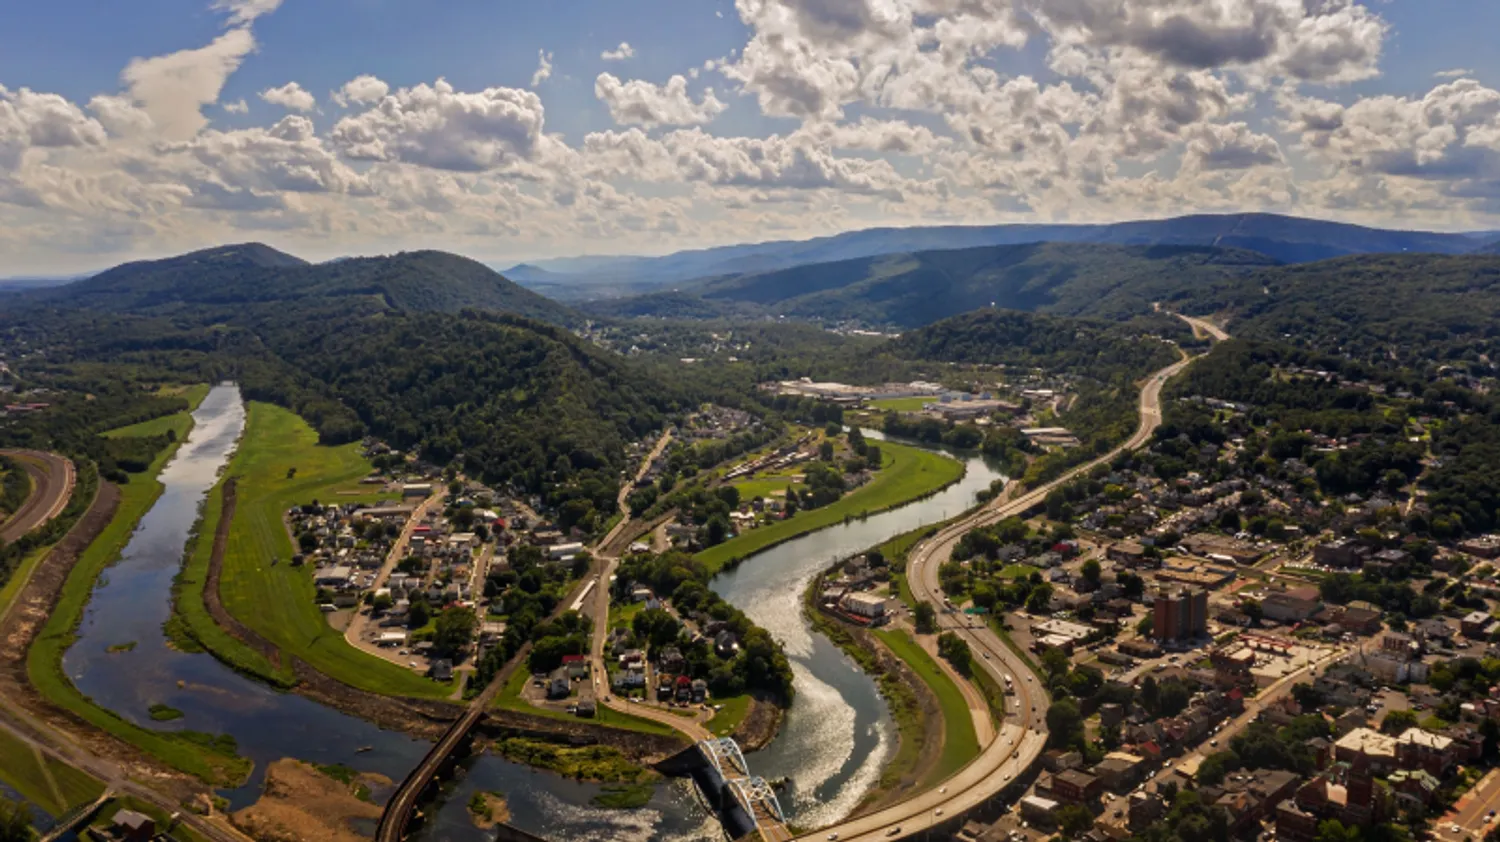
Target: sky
[(510, 131)]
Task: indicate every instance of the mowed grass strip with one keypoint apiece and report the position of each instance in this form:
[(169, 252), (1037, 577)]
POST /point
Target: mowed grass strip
[(192, 612), (277, 600), (906, 474), (902, 404), (960, 743), (184, 751)]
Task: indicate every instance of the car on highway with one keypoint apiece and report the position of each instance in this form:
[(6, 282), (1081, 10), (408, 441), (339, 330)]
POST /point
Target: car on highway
[(833, 836), (894, 831)]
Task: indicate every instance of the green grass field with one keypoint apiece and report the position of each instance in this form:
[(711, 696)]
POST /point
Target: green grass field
[(960, 744), (186, 752), (906, 474), (49, 784), (277, 600), (179, 423), (735, 709), (107, 815), (1018, 571), (752, 488), (901, 404)]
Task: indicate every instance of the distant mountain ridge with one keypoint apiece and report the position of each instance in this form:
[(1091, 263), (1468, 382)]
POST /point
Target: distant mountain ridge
[(252, 273), (912, 289), (1285, 239)]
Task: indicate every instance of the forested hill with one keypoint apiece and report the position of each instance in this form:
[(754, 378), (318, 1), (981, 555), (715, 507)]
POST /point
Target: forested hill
[(231, 276), (911, 290), (1386, 309), (1007, 337), (1285, 239)]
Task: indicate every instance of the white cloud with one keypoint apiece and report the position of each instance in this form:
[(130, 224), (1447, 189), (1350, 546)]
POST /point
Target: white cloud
[(620, 53), (543, 68), (237, 107), (1455, 73), (363, 90), (438, 126), (640, 103), (244, 11), (173, 88), (290, 96)]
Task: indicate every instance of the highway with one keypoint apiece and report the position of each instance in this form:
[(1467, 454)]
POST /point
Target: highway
[(1023, 734), (52, 478)]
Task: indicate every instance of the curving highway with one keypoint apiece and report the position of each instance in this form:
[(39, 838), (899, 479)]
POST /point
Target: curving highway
[(52, 480), (1023, 734)]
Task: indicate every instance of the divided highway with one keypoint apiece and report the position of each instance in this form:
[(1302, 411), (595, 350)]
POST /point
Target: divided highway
[(52, 481), (1023, 734)]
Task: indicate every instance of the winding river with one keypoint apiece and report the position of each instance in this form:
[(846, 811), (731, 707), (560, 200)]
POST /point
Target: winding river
[(832, 745)]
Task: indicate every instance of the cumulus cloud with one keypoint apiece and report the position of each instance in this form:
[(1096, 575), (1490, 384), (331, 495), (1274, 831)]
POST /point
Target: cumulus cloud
[(620, 53), (42, 120), (1455, 73), (239, 106), (640, 103), (290, 96), (363, 90), (543, 68), (173, 88), (438, 126)]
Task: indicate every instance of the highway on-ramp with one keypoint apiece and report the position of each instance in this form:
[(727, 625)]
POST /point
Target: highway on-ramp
[(1023, 734)]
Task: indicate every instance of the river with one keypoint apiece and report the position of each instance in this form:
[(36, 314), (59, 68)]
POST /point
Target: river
[(832, 745)]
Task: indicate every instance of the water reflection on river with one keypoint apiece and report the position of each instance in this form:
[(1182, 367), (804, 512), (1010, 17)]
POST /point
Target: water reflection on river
[(833, 743)]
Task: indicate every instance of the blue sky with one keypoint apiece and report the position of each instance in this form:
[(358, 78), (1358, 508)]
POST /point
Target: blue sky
[(150, 127)]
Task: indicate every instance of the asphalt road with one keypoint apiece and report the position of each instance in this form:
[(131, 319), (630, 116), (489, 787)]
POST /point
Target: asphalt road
[(52, 480), (1023, 734)]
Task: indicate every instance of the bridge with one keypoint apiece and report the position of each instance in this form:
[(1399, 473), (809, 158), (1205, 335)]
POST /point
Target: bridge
[(77, 817), (755, 802)]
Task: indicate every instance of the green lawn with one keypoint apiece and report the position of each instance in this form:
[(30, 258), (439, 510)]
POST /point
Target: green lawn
[(624, 615), (107, 815), (23, 770), (179, 423), (277, 600), (960, 744), (1018, 571), (185, 751), (752, 488), (902, 404), (906, 474), (735, 709)]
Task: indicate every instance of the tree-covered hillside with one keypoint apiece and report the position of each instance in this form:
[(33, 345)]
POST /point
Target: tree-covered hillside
[(913, 289), (232, 276)]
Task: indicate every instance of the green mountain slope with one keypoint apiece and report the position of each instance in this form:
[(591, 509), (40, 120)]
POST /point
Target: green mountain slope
[(234, 276), (912, 289)]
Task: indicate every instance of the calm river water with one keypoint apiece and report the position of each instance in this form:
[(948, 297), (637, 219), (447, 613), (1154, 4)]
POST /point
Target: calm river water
[(832, 744)]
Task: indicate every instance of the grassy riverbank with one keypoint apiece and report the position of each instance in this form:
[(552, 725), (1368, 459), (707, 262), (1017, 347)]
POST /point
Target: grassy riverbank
[(49, 784), (276, 600), (907, 473), (209, 758), (960, 743), (178, 423)]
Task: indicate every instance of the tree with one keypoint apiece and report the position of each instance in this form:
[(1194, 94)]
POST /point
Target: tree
[(1064, 724), (1133, 585), (1212, 770), (956, 651), (925, 618), (418, 614), (872, 456), (1397, 721), (825, 451), (1040, 599), (1074, 820), (455, 631), (1092, 571), (1055, 662), (291, 472), (15, 822)]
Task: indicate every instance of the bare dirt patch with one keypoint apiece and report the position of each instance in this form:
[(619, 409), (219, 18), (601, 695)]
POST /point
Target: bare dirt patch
[(299, 803)]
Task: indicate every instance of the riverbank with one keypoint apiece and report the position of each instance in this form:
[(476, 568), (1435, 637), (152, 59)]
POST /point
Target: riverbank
[(907, 474), (65, 580)]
